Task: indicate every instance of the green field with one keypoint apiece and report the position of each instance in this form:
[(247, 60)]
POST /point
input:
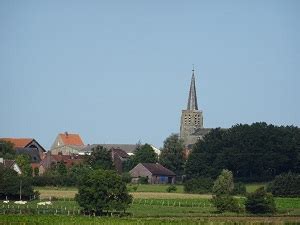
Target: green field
[(151, 205)]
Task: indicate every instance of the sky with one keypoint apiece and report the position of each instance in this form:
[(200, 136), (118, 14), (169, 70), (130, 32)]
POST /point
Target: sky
[(119, 71)]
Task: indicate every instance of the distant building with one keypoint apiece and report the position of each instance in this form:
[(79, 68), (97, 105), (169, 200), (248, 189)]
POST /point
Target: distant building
[(191, 126), (28, 146), (67, 144), (128, 148), (155, 172), (10, 164), (51, 160)]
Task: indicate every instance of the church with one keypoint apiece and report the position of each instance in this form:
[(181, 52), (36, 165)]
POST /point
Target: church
[(191, 125)]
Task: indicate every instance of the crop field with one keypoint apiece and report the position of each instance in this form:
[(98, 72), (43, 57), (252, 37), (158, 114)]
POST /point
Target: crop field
[(148, 207), (86, 220)]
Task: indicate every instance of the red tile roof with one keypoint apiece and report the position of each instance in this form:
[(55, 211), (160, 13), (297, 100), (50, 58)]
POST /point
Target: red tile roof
[(18, 142), (71, 139)]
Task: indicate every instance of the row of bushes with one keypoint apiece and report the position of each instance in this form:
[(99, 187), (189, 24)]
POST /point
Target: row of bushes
[(284, 185)]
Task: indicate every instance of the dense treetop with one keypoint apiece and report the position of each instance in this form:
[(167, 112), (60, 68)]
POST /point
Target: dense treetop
[(252, 152)]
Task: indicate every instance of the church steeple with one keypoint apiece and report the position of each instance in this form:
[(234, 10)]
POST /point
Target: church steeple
[(192, 102)]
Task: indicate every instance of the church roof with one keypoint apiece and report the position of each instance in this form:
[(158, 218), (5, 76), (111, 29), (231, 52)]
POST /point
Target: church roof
[(192, 102), (71, 139)]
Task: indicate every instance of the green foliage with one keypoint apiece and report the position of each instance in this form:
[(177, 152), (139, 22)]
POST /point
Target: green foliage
[(61, 168), (260, 202), (126, 178), (36, 171), (172, 188), (223, 185), (102, 190), (10, 185), (144, 154), (225, 203), (143, 180), (7, 150), (23, 162), (239, 189), (285, 185), (100, 158), (200, 185), (256, 152), (172, 156)]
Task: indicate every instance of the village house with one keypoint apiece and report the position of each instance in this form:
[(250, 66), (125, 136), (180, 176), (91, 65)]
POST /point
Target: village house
[(67, 144), (155, 172), (27, 146), (10, 164), (50, 160)]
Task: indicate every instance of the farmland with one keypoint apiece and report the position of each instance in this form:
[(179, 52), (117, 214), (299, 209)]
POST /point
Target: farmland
[(148, 207)]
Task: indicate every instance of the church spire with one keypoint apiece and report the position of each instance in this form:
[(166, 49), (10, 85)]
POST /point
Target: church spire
[(192, 102)]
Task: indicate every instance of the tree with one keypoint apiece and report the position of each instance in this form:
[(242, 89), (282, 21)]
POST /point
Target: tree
[(256, 152), (144, 154), (102, 190), (23, 162), (285, 185), (222, 189), (260, 202), (7, 150), (10, 185), (61, 168), (172, 156), (100, 158), (223, 185)]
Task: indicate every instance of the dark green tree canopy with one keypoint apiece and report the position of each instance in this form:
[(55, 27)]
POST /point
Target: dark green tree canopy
[(23, 162), (172, 156), (7, 150), (145, 154), (254, 152), (100, 158), (260, 202), (102, 190), (285, 185)]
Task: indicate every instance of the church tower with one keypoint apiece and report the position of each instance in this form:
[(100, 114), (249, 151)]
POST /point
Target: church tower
[(191, 118)]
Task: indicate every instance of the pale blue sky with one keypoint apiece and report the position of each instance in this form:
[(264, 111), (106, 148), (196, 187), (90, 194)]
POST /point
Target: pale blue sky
[(119, 71)]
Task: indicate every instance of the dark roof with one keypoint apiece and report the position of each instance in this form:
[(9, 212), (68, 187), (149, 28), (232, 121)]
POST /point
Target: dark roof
[(120, 152), (128, 148), (8, 163), (32, 152), (157, 169)]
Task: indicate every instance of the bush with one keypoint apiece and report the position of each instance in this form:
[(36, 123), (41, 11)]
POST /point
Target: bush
[(126, 177), (102, 190), (224, 185), (285, 185), (225, 203), (239, 189), (143, 180), (171, 188), (260, 202), (198, 185)]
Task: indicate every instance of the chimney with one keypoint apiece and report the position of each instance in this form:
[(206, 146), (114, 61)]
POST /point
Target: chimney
[(66, 133)]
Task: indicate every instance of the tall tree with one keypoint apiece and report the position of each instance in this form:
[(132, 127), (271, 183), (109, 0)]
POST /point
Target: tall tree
[(100, 158), (145, 154), (23, 162), (172, 156)]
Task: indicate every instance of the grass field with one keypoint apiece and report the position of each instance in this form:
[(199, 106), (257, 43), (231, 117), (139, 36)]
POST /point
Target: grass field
[(85, 220), (151, 205)]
